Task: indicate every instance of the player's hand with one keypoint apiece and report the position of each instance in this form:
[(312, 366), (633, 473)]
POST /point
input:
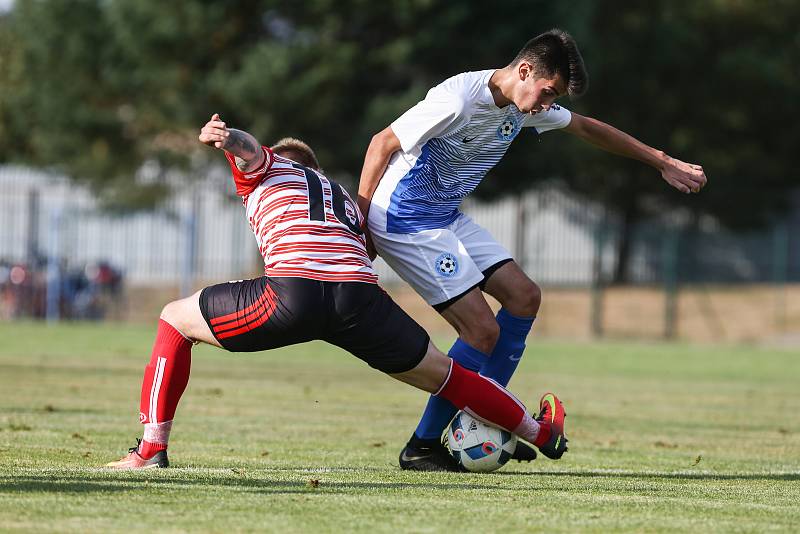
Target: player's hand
[(685, 177), (371, 252), (363, 208), (214, 133)]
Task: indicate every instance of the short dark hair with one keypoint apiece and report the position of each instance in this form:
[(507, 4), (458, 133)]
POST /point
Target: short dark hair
[(556, 52), (296, 150)]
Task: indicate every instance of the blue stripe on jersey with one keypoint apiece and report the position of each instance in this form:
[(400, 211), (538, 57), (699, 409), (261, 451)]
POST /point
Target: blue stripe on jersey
[(411, 208), (428, 196)]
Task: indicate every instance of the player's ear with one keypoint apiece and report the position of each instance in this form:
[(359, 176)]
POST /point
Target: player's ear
[(524, 69)]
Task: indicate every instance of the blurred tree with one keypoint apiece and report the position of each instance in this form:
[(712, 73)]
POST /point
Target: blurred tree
[(95, 88), (714, 83)]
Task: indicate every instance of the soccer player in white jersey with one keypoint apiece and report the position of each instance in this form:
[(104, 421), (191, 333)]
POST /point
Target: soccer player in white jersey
[(418, 170), (318, 284)]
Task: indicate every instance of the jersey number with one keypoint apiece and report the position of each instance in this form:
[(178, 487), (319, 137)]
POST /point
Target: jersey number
[(316, 201)]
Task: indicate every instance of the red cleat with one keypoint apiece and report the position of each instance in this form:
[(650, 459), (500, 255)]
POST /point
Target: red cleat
[(133, 461), (551, 415)]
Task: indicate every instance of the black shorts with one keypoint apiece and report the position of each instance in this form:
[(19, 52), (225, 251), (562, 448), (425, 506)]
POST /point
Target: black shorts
[(267, 313)]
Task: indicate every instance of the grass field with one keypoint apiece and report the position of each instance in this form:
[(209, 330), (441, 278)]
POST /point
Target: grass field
[(305, 439)]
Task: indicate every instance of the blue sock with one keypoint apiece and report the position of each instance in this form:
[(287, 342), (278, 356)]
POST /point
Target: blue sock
[(438, 412), (509, 348)]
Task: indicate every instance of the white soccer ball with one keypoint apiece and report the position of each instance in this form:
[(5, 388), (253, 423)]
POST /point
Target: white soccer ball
[(479, 447)]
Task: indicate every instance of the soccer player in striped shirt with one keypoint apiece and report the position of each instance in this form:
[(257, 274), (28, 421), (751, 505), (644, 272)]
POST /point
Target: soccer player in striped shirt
[(419, 169), (318, 283)]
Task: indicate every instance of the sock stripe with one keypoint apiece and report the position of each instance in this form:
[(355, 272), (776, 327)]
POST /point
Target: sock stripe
[(156, 387), (446, 380)]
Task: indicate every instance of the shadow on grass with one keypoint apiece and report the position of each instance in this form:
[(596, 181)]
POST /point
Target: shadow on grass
[(103, 481), (665, 476), (107, 482)]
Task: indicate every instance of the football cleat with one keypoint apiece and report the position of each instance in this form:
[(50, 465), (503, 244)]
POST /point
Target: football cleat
[(523, 452), (551, 413), (132, 460), (433, 458)]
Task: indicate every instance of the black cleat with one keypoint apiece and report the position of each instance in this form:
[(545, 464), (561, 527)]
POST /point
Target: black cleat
[(523, 452), (435, 457)]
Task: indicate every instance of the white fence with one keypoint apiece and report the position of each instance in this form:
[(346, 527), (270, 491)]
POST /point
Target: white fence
[(200, 232)]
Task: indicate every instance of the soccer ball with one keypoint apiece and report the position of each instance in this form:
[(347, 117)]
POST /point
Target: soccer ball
[(479, 447)]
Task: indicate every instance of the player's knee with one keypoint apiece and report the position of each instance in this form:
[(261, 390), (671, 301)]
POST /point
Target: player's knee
[(533, 299), (178, 314), (526, 301), (184, 315), (483, 335), (171, 313)]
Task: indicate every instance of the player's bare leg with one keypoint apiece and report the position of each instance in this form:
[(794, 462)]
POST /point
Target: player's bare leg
[(185, 316), (474, 321), (165, 378), (514, 290)]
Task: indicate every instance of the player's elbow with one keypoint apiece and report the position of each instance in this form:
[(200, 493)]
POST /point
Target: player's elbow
[(385, 142)]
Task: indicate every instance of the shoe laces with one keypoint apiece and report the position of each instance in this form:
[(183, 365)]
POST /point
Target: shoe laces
[(136, 448)]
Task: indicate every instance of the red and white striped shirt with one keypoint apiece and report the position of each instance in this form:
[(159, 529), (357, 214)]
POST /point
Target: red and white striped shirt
[(306, 225)]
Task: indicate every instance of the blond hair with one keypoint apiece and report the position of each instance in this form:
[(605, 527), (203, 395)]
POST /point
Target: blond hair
[(296, 150)]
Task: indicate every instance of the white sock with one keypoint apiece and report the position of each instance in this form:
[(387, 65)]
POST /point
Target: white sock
[(157, 432), (528, 428)]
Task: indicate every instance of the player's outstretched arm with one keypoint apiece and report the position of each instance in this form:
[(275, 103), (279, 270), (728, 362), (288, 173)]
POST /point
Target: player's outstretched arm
[(685, 177), (241, 144)]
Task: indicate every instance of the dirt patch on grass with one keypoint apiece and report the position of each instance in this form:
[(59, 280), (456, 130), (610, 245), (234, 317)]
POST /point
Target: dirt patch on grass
[(728, 314), (708, 314)]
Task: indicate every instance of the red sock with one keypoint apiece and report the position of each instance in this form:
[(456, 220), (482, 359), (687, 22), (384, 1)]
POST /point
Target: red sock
[(482, 397), (544, 434), (147, 450), (166, 376)]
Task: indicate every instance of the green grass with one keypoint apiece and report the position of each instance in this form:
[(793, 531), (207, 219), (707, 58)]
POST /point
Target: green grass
[(305, 439)]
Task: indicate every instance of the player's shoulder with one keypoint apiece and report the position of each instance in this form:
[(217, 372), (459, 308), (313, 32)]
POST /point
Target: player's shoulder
[(461, 93), (556, 116), (470, 86)]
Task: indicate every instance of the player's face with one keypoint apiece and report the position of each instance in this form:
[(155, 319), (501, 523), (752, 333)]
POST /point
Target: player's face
[(537, 94)]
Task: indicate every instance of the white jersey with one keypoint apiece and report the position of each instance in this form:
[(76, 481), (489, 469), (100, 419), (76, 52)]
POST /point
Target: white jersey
[(306, 225), (449, 141)]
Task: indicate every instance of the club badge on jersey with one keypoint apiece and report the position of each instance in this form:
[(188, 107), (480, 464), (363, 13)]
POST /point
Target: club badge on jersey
[(446, 265), (508, 130)]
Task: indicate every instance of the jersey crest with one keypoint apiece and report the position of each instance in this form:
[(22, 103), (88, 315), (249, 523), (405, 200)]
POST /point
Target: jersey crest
[(508, 129)]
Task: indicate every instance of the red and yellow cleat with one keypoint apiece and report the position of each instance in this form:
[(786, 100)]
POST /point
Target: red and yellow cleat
[(132, 460), (551, 414)]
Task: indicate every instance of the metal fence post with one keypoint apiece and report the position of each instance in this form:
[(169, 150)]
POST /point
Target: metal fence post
[(190, 253), (596, 315), (53, 295), (521, 234), (669, 254), (32, 241), (780, 272)]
